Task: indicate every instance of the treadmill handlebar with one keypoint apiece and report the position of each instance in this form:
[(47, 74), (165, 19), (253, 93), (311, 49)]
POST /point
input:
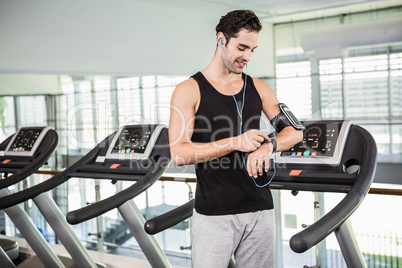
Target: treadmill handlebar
[(46, 149), (22, 196), (183, 212), (96, 209), (323, 227), (315, 233), (160, 158), (169, 219)]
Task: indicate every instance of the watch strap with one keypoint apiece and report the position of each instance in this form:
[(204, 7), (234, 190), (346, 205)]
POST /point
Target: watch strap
[(274, 144)]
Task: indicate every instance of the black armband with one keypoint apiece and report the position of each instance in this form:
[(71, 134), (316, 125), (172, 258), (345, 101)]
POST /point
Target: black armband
[(284, 118)]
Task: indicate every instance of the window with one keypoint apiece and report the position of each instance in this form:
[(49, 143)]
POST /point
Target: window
[(32, 111), (148, 90), (103, 108), (7, 117), (395, 62), (366, 87), (331, 88), (129, 100), (166, 85), (145, 99), (293, 87)]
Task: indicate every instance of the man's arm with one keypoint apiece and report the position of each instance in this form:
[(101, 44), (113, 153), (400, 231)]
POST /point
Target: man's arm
[(184, 103), (285, 139)]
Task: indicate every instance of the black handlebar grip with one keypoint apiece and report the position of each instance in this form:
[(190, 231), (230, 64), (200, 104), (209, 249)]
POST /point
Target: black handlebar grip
[(169, 219), (311, 236)]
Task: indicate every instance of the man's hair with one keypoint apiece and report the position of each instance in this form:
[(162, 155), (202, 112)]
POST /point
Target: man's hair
[(234, 21)]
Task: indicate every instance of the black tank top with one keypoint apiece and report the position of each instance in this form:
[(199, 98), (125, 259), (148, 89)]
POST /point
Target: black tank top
[(223, 184)]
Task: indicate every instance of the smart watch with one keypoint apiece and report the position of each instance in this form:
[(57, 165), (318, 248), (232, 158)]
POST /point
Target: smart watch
[(274, 144)]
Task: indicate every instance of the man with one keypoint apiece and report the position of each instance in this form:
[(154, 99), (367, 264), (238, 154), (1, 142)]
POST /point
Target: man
[(214, 123)]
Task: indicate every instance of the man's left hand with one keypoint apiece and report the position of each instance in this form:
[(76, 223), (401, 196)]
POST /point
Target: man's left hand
[(259, 160)]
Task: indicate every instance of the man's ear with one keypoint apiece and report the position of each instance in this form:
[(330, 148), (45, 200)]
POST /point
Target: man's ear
[(220, 39)]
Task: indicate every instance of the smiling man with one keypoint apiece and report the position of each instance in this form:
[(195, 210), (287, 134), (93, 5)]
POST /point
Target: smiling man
[(214, 124)]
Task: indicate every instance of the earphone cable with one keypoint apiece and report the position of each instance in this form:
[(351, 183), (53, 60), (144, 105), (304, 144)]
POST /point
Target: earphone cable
[(240, 113)]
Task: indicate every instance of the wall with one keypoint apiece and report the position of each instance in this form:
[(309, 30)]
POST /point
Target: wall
[(348, 28), (31, 84), (122, 37)]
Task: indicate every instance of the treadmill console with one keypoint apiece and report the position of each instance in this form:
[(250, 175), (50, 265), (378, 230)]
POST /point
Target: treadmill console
[(323, 143), (26, 140), (134, 142)]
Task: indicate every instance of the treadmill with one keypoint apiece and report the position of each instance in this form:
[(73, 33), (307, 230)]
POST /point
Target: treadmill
[(21, 155), (334, 156), (137, 153)]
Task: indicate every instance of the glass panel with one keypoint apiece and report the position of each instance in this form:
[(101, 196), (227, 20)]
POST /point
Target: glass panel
[(293, 86), (366, 86), (296, 211), (103, 108), (32, 111), (7, 117), (397, 139), (381, 135), (331, 88), (396, 84)]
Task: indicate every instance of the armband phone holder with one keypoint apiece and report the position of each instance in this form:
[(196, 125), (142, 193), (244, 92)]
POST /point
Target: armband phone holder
[(291, 117), (285, 118)]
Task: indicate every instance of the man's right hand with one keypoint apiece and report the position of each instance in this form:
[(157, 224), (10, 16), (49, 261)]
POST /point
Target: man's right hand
[(250, 140)]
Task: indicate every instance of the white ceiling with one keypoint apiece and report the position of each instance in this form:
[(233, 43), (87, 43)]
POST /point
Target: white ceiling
[(288, 10)]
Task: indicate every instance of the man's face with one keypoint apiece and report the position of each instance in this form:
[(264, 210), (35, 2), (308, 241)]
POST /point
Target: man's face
[(239, 50)]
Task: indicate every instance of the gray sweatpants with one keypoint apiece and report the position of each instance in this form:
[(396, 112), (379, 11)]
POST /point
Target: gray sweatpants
[(250, 237)]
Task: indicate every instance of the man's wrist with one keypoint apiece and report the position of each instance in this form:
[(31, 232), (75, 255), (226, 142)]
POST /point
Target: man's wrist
[(269, 144)]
